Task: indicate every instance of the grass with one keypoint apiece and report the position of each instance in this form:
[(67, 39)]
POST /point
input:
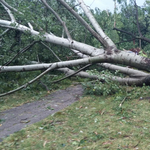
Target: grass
[(20, 98), (34, 93), (92, 123)]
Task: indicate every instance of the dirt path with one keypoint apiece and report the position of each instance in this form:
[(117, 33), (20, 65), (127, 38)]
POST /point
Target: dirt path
[(19, 117)]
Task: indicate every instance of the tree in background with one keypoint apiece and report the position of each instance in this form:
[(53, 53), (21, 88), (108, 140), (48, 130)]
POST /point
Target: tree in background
[(133, 26)]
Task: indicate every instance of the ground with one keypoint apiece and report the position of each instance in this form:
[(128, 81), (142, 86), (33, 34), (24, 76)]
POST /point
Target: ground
[(19, 117), (118, 121)]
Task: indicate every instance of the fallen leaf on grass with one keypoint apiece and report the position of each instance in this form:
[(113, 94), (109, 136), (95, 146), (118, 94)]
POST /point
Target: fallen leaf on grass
[(102, 111), (44, 143), (78, 148), (74, 143), (108, 142)]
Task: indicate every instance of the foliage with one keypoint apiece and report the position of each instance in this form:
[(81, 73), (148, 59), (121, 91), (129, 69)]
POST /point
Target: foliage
[(102, 86)]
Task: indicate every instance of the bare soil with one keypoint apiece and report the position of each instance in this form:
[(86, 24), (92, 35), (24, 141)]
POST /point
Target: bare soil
[(19, 117)]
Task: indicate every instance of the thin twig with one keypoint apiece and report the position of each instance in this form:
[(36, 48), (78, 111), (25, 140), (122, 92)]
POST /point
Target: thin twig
[(125, 96), (71, 74), (4, 32), (122, 101), (51, 51), (20, 52), (44, 85)]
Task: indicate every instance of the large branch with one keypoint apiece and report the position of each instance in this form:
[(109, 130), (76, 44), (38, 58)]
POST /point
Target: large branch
[(91, 60), (125, 70), (105, 39), (84, 48), (49, 68), (112, 55), (136, 77), (137, 61), (124, 81), (93, 54), (83, 22), (106, 65)]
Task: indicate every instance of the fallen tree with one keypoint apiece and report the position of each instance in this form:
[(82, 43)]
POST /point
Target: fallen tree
[(107, 57)]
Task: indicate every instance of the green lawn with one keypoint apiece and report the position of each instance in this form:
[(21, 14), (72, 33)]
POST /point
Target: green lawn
[(30, 94), (92, 123)]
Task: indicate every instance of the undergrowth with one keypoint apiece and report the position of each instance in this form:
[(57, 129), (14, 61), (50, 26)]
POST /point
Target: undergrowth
[(103, 85)]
